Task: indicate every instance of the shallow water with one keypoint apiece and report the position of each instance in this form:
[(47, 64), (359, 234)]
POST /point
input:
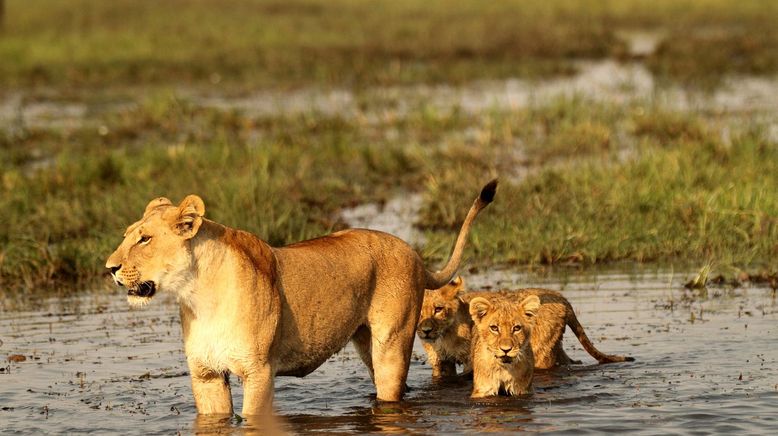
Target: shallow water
[(706, 362)]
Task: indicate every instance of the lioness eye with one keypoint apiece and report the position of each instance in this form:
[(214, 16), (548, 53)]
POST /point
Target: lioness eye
[(516, 328), (144, 239), (494, 328), (438, 309)]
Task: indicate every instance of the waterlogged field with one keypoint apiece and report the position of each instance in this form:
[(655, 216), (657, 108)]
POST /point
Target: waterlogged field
[(623, 133), (705, 361)]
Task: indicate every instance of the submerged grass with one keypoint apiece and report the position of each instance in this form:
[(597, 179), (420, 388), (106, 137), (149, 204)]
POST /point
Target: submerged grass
[(249, 43), (617, 183)]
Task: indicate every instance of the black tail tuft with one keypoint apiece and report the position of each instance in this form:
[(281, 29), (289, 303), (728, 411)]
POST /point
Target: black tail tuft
[(629, 359), (487, 194)]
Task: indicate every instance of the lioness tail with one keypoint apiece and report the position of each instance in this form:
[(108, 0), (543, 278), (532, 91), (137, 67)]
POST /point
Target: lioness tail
[(437, 279), (601, 357)]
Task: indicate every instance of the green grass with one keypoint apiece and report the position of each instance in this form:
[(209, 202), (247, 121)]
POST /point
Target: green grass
[(581, 182), (90, 43), (669, 188)]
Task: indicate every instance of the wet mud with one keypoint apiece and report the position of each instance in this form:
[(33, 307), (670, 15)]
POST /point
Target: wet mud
[(707, 361)]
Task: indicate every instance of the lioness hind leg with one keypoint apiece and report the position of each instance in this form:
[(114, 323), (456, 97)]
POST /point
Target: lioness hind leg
[(391, 348), (361, 340), (390, 363)]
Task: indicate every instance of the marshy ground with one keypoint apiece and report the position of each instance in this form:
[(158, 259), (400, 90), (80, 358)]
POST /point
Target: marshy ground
[(637, 134)]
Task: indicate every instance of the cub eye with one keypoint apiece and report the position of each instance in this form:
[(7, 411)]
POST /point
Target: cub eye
[(516, 328), (438, 309), (144, 239), (494, 328)]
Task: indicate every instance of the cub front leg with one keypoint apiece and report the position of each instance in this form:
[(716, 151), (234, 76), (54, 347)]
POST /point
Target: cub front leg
[(440, 367), (258, 390), (211, 391)]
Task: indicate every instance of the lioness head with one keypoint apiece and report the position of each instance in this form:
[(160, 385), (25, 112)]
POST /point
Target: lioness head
[(155, 252), (439, 309), (504, 324)]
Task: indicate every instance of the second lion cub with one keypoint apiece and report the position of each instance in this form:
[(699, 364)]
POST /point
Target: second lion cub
[(502, 356)]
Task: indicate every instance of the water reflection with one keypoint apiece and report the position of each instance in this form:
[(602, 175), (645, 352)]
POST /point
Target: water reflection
[(93, 365)]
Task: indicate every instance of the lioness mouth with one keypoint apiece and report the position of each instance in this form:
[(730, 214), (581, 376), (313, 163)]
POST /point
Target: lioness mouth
[(506, 359), (145, 289)]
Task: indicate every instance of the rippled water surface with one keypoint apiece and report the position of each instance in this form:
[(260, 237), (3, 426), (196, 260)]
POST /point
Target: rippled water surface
[(706, 362)]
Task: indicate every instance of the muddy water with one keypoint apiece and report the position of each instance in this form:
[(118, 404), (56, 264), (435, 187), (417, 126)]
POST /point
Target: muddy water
[(706, 362)]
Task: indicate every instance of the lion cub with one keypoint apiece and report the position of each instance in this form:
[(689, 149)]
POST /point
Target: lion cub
[(445, 327), (502, 356)]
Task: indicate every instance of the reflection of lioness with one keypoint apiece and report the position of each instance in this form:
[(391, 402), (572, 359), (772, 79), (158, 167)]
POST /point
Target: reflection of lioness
[(257, 311), (445, 328), (503, 361)]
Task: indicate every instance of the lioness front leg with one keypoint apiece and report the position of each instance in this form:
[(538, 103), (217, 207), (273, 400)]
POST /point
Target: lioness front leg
[(211, 391), (258, 390)]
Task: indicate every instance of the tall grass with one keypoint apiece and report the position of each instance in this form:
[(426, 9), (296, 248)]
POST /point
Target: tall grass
[(617, 183), (347, 42)]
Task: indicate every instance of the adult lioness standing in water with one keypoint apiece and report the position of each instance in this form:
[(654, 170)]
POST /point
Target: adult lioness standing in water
[(258, 311)]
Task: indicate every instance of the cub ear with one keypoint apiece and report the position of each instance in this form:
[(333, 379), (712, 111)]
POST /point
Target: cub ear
[(479, 306), (530, 305), (189, 216), (453, 287), (155, 203)]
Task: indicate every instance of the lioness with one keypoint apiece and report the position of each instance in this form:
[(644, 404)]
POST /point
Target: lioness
[(445, 328), (258, 311), (501, 352)]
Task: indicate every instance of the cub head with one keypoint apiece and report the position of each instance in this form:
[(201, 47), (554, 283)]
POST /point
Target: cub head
[(155, 252), (439, 310), (504, 324)]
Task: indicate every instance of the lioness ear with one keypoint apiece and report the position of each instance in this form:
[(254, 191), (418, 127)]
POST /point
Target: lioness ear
[(155, 203), (479, 306), (530, 305), (189, 217)]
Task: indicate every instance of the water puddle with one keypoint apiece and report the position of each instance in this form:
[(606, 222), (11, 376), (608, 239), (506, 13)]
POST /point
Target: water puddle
[(606, 80), (706, 361), (397, 217)]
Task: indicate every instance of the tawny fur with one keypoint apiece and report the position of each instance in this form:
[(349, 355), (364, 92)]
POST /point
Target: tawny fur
[(446, 333), (502, 356), (256, 311)]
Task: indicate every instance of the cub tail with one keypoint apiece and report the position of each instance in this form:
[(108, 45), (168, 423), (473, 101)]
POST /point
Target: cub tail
[(572, 322)]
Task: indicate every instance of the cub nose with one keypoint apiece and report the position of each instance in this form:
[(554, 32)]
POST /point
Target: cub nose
[(426, 329), (506, 348), (114, 269)]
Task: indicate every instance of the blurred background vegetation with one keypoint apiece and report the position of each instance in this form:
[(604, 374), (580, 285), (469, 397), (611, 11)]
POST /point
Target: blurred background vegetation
[(280, 114)]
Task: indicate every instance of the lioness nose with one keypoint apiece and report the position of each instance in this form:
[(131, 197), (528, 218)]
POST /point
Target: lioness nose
[(506, 348), (115, 268), (426, 329)]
